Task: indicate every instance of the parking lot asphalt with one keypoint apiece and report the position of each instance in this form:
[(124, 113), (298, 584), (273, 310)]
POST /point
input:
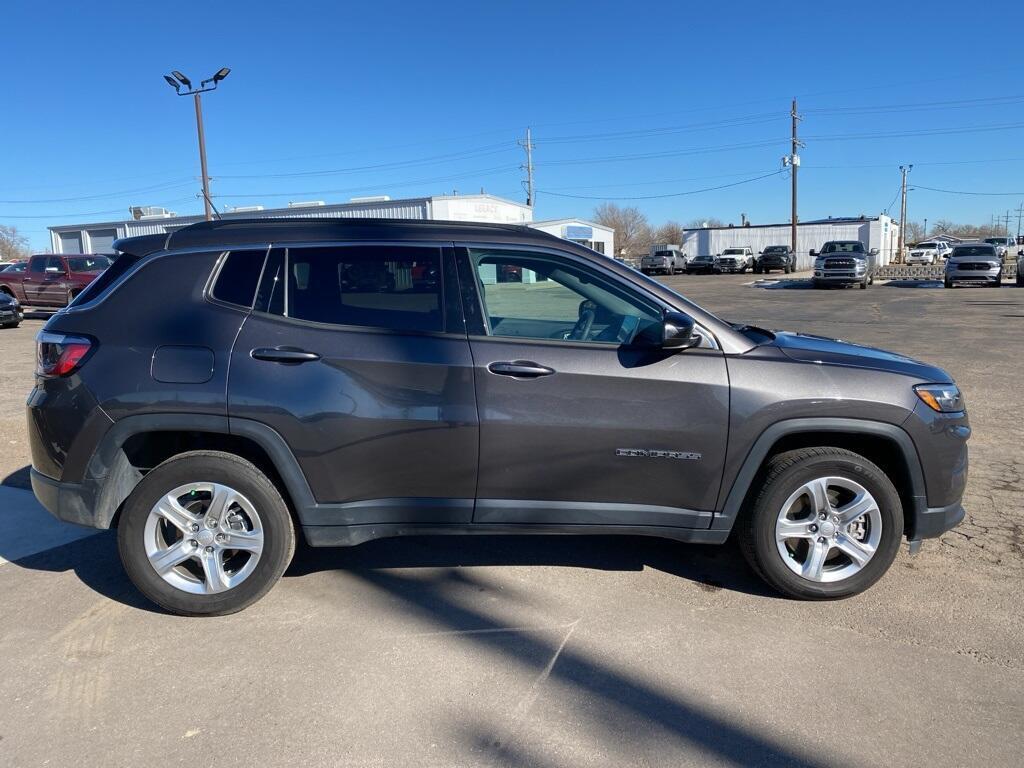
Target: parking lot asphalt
[(545, 651)]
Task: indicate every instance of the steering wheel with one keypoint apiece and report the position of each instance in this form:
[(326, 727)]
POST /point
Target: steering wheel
[(581, 330)]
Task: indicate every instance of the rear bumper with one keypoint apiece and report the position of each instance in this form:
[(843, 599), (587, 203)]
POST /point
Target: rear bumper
[(70, 502)]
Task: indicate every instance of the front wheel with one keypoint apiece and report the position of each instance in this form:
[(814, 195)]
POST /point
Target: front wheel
[(205, 534), (1020, 279), (827, 524)]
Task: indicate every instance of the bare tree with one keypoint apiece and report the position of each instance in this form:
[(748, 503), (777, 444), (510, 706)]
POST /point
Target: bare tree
[(705, 221), (669, 232), (13, 245), (966, 231), (632, 231), (915, 232)]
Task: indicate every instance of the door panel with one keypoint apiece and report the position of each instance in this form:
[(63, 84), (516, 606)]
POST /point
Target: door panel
[(578, 435), (381, 421), (602, 428)]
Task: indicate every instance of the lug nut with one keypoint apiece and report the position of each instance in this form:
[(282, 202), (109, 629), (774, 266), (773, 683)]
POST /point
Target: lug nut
[(221, 537), (821, 539), (209, 550), (814, 529), (193, 543), (194, 526)]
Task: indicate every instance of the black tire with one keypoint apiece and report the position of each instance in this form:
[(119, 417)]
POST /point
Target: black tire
[(217, 467), (1020, 280), (672, 270), (11, 325), (947, 283), (786, 472), (999, 281), (815, 284)]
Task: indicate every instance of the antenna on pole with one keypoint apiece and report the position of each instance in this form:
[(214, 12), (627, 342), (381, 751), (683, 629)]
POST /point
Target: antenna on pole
[(528, 146)]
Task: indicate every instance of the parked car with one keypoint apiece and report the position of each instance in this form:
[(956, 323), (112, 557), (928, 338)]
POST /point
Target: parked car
[(703, 263), (16, 266), (735, 260), (259, 396), (53, 280), (842, 262), (928, 253), (11, 313), (780, 257), (975, 264), (1020, 269), (663, 259), (1001, 244)]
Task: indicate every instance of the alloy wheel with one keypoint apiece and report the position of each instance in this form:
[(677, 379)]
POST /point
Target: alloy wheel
[(828, 529), (203, 538)]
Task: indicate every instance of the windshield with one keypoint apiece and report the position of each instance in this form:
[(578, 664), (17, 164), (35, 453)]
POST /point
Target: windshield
[(88, 263), (927, 245), (844, 247), (996, 240), (775, 249), (974, 250), (663, 253), (732, 252)]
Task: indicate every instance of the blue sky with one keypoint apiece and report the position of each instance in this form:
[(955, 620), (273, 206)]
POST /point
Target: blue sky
[(626, 100)]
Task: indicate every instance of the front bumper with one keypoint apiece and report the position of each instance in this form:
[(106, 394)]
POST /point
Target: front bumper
[(839, 277), (10, 313), (974, 275)]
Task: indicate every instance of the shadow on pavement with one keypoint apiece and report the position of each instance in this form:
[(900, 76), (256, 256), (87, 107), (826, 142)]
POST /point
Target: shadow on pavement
[(19, 478), (784, 284), (627, 708), (912, 284), (711, 567)]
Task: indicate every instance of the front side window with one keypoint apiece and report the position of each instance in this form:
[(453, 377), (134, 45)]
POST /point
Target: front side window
[(537, 296), (377, 286)]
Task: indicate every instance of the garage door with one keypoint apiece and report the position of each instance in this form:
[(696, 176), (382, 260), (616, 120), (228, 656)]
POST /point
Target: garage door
[(71, 242), (102, 240)]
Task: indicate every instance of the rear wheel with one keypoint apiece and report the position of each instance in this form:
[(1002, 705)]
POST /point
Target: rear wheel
[(1020, 280), (826, 524), (205, 533)]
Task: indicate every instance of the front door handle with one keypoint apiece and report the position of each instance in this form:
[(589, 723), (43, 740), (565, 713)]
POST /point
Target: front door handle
[(520, 369), (287, 355)]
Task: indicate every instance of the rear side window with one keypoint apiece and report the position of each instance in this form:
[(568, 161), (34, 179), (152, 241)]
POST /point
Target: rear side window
[(238, 277), (377, 286)]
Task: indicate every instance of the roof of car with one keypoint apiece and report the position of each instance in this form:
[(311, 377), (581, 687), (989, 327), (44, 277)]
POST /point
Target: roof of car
[(296, 230)]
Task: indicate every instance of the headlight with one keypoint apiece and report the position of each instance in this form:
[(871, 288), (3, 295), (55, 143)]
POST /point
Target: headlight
[(944, 398), (819, 263)]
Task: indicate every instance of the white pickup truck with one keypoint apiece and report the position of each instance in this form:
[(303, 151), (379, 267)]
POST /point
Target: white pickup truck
[(929, 252)]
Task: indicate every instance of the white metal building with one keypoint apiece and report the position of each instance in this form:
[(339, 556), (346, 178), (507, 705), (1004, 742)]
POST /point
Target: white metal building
[(594, 236), (879, 232), (99, 237)]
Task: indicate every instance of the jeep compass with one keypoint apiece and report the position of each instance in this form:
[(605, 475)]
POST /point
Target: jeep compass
[(347, 380)]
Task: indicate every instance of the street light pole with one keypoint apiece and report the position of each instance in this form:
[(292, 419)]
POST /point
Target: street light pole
[(202, 158), (176, 80)]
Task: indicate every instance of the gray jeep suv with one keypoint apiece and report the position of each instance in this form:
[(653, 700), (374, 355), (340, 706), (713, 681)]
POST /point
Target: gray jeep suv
[(357, 379)]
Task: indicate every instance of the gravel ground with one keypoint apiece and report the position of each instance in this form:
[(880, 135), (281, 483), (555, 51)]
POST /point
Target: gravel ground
[(555, 652)]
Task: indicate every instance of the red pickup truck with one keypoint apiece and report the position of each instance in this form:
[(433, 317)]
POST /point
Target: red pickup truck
[(53, 280)]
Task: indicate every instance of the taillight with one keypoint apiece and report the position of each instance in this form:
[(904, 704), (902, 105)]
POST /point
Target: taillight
[(58, 354)]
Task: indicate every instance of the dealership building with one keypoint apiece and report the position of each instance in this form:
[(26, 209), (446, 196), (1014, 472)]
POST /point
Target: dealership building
[(99, 237), (879, 232)]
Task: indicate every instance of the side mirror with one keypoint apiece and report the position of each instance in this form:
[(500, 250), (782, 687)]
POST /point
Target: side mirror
[(677, 332), (813, 252), (873, 252)]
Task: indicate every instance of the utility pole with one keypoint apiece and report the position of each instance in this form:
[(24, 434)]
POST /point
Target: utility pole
[(177, 80), (794, 164), (528, 146), (904, 169), (1020, 213), (925, 235)]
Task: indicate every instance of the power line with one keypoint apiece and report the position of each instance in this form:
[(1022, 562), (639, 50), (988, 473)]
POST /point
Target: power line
[(670, 194), (90, 213), (106, 195), (965, 192)]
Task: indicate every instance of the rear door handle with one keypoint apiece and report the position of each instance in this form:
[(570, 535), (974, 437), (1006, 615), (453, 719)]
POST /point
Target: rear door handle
[(287, 355), (520, 369)]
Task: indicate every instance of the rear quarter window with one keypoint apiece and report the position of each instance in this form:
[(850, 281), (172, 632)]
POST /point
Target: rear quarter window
[(238, 277)]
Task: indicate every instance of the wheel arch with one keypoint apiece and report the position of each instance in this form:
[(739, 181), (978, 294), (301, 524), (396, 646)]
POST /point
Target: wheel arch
[(136, 444), (887, 445)]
